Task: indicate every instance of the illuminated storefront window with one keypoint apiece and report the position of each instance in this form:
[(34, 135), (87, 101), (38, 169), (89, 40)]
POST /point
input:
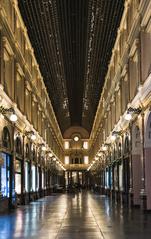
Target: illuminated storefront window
[(27, 176), (121, 176), (107, 179), (5, 175), (33, 178), (43, 182), (37, 178), (18, 176)]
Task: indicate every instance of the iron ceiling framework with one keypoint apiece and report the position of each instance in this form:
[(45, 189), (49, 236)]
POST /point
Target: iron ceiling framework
[(73, 41)]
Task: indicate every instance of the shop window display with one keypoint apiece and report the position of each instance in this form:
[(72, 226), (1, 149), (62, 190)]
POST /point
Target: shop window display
[(43, 183), (5, 175), (27, 176), (33, 178), (18, 177), (107, 179), (37, 178)]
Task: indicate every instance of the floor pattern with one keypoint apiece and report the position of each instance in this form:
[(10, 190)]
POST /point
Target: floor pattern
[(75, 216)]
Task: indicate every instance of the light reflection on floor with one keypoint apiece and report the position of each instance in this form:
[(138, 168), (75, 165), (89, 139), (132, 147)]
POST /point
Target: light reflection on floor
[(81, 216)]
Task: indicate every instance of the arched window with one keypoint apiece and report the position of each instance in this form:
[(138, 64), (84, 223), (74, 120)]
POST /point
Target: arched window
[(119, 150), (149, 132), (18, 146), (137, 137), (126, 146), (6, 141), (34, 154), (76, 160), (27, 151)]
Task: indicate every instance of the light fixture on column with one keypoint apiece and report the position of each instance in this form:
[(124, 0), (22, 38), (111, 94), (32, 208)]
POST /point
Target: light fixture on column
[(50, 154), (4, 111), (99, 154), (115, 134), (43, 147), (31, 135), (105, 147), (132, 111)]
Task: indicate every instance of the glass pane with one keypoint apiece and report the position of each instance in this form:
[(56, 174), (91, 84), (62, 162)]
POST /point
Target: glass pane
[(27, 177), (5, 175), (18, 166), (18, 183), (43, 185), (33, 178), (37, 179)]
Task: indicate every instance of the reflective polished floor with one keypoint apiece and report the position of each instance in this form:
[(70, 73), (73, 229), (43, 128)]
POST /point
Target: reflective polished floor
[(81, 216)]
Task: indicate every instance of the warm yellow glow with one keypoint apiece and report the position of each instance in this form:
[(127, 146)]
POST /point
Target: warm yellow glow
[(13, 117), (128, 116), (86, 159), (66, 159), (104, 148), (76, 138), (66, 145), (85, 145), (43, 148), (33, 137), (50, 154), (113, 137)]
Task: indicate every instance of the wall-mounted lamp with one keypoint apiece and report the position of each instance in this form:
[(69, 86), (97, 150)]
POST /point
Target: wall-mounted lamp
[(13, 117), (31, 135), (43, 147), (105, 147), (131, 111), (99, 154), (115, 134), (50, 154)]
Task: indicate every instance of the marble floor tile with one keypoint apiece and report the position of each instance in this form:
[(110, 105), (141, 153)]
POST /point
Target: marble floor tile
[(80, 216)]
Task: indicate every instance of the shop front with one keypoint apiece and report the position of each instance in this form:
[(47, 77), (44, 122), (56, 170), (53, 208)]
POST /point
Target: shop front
[(7, 190), (33, 189), (18, 170), (5, 180)]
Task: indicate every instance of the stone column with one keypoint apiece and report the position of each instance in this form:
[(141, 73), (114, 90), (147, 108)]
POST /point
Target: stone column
[(131, 168), (143, 195)]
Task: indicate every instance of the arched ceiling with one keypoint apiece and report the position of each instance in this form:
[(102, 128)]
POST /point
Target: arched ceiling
[(73, 41)]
